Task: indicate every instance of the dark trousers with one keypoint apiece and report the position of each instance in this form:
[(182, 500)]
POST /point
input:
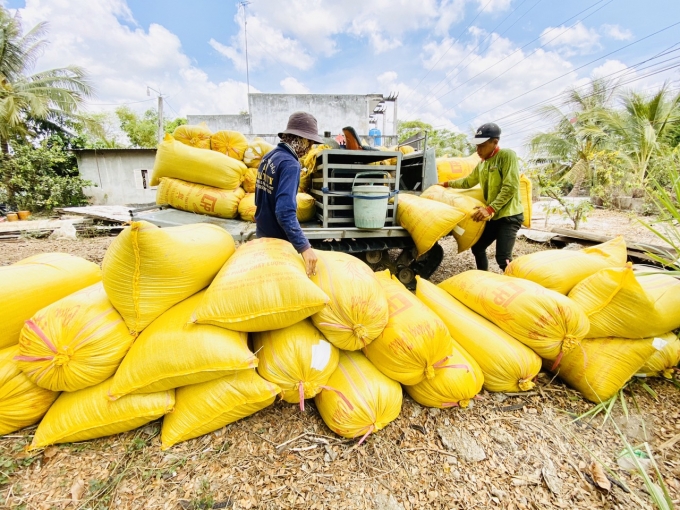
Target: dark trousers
[(504, 232)]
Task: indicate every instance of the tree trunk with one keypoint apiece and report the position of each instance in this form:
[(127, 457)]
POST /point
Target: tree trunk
[(4, 147)]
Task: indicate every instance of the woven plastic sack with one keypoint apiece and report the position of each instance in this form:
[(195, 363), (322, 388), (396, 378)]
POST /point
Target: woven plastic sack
[(197, 136), (249, 179), (231, 143), (415, 341), (197, 198), (88, 414), (146, 269), (404, 149), (542, 319), (475, 192), (561, 270), (35, 282), (298, 359), (450, 169), (665, 361), (619, 303), (306, 207), (600, 367), (507, 364), (247, 207), (22, 403), (527, 200), (263, 286), (468, 231), (209, 406), (179, 161), (453, 385), (360, 400), (257, 148), (72, 344), (427, 221), (358, 311), (308, 165), (172, 352)]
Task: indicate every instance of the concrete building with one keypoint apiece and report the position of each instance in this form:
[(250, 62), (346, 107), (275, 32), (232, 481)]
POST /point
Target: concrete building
[(120, 176)]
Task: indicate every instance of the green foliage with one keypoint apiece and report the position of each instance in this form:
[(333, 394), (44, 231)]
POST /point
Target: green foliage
[(444, 142), (41, 178), (576, 211), (142, 130)]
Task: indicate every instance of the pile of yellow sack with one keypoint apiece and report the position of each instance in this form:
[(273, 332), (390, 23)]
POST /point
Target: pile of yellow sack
[(213, 173)]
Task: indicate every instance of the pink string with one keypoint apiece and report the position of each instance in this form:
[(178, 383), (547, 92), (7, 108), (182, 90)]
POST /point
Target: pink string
[(557, 361), (301, 390), (370, 429), (339, 393), (33, 326)]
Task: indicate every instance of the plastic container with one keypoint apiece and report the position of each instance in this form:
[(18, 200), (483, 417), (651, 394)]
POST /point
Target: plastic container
[(12, 217), (24, 214), (370, 203)]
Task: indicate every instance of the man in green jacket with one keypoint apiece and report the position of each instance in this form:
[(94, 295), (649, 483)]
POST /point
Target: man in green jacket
[(498, 176)]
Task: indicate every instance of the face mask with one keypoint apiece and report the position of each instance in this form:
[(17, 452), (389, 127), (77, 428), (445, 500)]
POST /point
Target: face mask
[(300, 145)]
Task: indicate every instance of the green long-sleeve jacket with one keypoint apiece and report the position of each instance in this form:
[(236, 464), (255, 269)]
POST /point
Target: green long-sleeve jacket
[(499, 180)]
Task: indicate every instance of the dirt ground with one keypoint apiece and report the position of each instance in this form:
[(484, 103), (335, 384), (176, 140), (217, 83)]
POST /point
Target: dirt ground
[(506, 451)]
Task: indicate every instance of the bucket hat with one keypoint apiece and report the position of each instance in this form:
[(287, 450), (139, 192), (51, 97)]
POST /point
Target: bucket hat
[(485, 132), (303, 124)]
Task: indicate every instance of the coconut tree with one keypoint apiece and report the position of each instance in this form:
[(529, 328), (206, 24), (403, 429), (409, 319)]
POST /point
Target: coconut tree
[(53, 95)]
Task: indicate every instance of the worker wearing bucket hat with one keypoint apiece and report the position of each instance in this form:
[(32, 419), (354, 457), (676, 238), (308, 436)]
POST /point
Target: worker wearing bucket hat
[(278, 179), (498, 176)]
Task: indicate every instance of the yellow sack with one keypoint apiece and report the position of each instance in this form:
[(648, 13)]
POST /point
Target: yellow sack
[(450, 169), (249, 179), (561, 270), (231, 143), (298, 359), (358, 311), (426, 220), (35, 282), (360, 400), (468, 231), (263, 286), (179, 161), (663, 362), (22, 403), (88, 414), (474, 192), (172, 352), (507, 365), (147, 269), (306, 207), (193, 136), (257, 148), (404, 149), (600, 367), (198, 198), (547, 322), (72, 344), (454, 385), (622, 305), (308, 165), (247, 208), (527, 200), (415, 341), (209, 406)]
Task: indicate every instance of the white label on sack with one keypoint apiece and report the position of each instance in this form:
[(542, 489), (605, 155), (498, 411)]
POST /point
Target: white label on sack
[(458, 230), (659, 344), (321, 355)]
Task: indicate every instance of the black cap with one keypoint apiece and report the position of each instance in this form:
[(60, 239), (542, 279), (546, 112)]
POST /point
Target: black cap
[(486, 131)]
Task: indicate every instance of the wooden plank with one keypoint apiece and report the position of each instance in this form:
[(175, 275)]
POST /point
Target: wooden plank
[(567, 235)]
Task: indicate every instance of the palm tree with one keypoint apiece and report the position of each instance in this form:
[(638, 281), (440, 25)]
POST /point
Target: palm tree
[(53, 95), (569, 147), (639, 128)]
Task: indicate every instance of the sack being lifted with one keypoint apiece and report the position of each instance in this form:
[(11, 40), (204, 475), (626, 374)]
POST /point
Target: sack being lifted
[(198, 198), (38, 281), (72, 344), (298, 359)]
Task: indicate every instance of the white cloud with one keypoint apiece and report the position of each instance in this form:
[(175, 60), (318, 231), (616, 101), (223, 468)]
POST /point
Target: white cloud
[(291, 86), (616, 32), (574, 40), (611, 69), (494, 5)]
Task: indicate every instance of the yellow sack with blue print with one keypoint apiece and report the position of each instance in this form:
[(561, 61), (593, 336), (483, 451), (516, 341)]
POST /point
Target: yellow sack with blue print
[(22, 402), (231, 143), (172, 352), (147, 269), (77, 342), (357, 312), (665, 361), (89, 414), (507, 364), (197, 136), (209, 406), (298, 359), (414, 343), (561, 270), (359, 399), (38, 281), (198, 198)]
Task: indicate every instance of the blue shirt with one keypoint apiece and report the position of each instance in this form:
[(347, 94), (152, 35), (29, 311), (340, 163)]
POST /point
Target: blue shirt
[(278, 179)]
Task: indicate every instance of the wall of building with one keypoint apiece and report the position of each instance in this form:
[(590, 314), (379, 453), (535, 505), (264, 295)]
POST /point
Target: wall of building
[(122, 176), (238, 123)]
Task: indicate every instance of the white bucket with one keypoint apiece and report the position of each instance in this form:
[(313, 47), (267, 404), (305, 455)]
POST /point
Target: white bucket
[(370, 204)]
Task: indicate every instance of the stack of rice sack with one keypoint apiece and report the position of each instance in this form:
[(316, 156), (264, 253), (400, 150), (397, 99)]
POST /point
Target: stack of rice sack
[(214, 173)]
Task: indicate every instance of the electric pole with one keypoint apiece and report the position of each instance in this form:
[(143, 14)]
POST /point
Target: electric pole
[(245, 34), (161, 129)]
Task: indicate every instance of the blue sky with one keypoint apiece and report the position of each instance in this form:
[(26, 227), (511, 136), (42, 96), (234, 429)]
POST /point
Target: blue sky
[(455, 63)]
